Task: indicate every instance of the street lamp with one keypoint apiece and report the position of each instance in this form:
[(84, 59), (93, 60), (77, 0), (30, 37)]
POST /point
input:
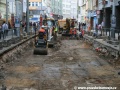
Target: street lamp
[(27, 15), (7, 11), (113, 21)]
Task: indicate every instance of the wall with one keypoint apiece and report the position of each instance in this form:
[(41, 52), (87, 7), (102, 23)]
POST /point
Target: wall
[(66, 8), (74, 9), (3, 8)]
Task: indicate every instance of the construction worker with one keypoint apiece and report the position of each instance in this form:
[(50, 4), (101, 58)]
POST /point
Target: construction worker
[(42, 33), (71, 32), (75, 31), (55, 33)]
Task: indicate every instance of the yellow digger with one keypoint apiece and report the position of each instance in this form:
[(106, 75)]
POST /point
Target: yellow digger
[(43, 42)]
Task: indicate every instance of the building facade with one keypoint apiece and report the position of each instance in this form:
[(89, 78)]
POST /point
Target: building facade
[(66, 10), (104, 12), (56, 9), (70, 9), (83, 11), (35, 10), (74, 7), (47, 4), (2, 8)]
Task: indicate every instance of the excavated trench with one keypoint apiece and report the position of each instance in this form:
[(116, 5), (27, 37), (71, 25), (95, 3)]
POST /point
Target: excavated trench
[(71, 63)]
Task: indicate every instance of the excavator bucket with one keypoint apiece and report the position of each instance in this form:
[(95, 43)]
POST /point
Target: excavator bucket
[(40, 51), (40, 47)]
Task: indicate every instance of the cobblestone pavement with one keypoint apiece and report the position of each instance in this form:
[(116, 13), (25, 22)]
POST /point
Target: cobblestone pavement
[(72, 65)]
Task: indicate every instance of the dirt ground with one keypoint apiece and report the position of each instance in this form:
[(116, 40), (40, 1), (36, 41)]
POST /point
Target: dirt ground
[(72, 65)]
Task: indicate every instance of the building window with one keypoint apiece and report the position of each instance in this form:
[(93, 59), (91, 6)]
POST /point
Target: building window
[(29, 3), (40, 4), (32, 3), (36, 3)]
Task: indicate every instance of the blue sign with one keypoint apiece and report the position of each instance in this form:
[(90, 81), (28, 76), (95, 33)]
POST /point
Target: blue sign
[(17, 22)]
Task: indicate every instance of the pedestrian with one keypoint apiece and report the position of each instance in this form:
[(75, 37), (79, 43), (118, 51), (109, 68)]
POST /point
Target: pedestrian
[(0, 31), (9, 25), (23, 26), (55, 33), (100, 28), (80, 35), (72, 32), (96, 27), (75, 31), (4, 29), (34, 27), (79, 26)]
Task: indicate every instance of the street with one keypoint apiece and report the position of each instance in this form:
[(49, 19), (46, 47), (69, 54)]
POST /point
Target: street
[(71, 64)]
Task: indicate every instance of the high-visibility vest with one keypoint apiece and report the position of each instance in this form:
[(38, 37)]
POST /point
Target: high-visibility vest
[(75, 32), (56, 29), (42, 30)]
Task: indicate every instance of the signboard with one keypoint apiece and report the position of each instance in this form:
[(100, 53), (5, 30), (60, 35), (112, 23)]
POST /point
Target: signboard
[(113, 21), (17, 21)]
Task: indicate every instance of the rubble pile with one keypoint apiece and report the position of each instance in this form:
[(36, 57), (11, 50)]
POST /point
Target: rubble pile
[(16, 52)]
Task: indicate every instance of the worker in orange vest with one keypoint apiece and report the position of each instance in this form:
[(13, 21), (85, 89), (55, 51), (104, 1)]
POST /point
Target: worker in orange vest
[(75, 31), (42, 33), (71, 32)]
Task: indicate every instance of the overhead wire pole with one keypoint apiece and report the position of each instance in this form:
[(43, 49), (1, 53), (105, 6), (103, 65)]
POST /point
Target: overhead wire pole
[(41, 7), (7, 11), (113, 21), (27, 16)]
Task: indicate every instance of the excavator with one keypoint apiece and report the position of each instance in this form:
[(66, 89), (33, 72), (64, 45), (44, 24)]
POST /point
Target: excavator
[(44, 41), (65, 25), (41, 44)]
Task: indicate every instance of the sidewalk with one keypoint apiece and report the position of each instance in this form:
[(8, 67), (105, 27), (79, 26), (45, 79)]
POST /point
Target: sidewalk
[(99, 32), (4, 43)]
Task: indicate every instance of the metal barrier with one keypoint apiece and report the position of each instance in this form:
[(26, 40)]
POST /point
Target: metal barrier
[(107, 31), (13, 36)]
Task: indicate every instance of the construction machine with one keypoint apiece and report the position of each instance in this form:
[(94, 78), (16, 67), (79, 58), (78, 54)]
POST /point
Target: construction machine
[(61, 24), (44, 41), (41, 44), (65, 25)]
